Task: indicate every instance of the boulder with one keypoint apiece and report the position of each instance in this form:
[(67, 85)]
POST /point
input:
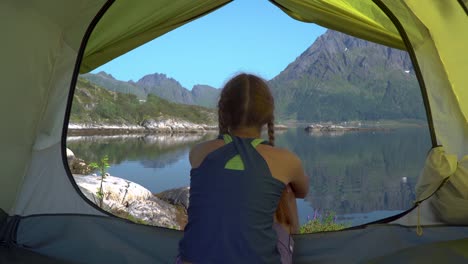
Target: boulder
[(155, 211), (131, 200), (178, 196), (116, 190), (78, 166)]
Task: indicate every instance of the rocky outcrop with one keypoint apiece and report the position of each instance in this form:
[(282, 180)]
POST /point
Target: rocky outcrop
[(337, 129), (148, 126), (175, 126), (178, 196), (131, 200)]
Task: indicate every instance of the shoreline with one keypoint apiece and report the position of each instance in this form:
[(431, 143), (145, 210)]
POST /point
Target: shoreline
[(178, 128), (171, 127), (152, 127)]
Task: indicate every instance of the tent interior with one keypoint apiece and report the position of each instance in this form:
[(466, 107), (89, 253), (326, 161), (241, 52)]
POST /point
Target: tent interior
[(46, 219)]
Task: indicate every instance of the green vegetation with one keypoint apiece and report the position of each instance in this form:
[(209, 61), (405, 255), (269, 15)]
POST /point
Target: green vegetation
[(126, 215), (102, 166), (341, 78), (94, 104), (324, 223)]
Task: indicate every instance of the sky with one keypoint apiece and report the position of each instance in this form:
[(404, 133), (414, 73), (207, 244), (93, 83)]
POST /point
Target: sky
[(243, 36)]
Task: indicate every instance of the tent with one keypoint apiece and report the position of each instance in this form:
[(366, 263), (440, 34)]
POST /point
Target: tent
[(46, 219)]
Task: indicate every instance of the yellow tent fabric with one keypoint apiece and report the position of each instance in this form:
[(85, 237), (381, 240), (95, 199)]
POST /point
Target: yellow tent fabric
[(129, 24), (362, 19)]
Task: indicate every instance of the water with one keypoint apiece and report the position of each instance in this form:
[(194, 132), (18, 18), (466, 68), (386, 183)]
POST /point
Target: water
[(357, 175)]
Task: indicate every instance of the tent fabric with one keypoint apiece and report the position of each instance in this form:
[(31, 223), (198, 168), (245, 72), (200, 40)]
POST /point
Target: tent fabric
[(129, 24), (443, 67), (23, 256), (435, 46), (438, 168), (39, 51), (112, 240), (451, 200), (362, 19), (442, 252)]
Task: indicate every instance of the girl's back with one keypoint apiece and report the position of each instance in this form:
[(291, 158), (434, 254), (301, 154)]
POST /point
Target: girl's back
[(233, 198), (236, 184)]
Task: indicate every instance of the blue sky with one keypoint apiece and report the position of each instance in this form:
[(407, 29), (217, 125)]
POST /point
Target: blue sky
[(246, 35)]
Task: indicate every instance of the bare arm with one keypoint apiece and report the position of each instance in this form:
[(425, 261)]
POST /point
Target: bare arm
[(299, 181)]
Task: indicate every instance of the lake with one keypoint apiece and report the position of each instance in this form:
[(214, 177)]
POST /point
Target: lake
[(361, 176)]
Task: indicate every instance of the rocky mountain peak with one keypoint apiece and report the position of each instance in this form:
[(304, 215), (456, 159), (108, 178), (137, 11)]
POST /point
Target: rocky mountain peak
[(105, 75), (334, 52), (156, 79)]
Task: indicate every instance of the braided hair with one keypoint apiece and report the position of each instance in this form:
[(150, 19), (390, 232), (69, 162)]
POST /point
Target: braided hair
[(246, 100)]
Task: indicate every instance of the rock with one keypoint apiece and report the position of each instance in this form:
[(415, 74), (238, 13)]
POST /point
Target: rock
[(131, 200), (161, 125), (280, 127), (155, 211), (70, 154), (78, 166), (116, 190), (171, 126), (178, 196)]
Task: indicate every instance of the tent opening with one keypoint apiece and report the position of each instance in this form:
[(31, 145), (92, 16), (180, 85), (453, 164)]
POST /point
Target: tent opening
[(351, 109)]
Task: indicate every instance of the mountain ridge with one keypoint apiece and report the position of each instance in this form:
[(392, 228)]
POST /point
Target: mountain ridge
[(337, 78)]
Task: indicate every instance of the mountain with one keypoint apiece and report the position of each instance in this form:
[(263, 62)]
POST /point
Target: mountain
[(106, 80), (160, 85), (95, 104), (205, 95), (342, 78), (164, 87), (338, 78)]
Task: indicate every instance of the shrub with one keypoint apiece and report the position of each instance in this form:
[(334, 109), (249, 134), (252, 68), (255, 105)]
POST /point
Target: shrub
[(322, 223)]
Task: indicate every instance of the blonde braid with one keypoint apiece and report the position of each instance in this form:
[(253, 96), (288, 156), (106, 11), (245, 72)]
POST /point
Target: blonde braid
[(271, 132)]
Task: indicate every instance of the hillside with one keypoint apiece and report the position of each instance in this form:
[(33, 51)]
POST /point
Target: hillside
[(159, 85), (95, 104), (342, 78), (110, 83)]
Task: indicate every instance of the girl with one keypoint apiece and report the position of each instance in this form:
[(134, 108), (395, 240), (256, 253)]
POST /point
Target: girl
[(235, 214)]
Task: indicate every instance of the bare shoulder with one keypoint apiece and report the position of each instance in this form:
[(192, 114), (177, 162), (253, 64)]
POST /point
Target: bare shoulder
[(201, 150), (279, 153)]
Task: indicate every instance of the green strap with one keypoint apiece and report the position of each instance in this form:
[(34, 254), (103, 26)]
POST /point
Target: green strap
[(236, 163)]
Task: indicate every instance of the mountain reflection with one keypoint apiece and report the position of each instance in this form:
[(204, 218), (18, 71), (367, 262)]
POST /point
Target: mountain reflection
[(354, 172), (152, 151), (360, 172)]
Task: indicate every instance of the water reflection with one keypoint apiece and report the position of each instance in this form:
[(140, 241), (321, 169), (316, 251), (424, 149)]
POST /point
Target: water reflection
[(152, 151), (361, 172), (353, 173)]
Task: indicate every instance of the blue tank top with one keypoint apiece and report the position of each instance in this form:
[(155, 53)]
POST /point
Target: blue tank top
[(233, 198)]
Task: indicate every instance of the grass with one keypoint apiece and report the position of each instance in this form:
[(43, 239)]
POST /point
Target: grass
[(322, 223), (126, 215)]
